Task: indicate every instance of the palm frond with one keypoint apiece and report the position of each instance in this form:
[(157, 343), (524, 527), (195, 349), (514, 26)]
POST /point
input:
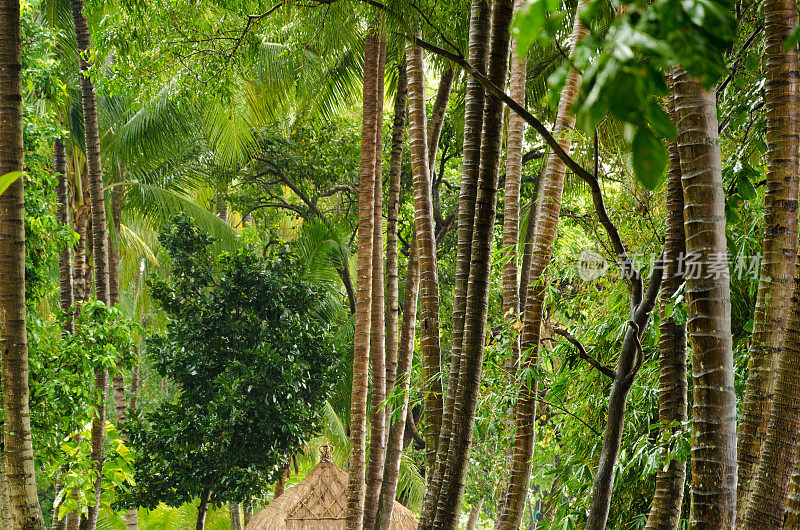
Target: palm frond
[(160, 205)]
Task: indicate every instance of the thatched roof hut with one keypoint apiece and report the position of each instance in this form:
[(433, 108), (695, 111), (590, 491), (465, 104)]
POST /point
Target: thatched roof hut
[(319, 502)]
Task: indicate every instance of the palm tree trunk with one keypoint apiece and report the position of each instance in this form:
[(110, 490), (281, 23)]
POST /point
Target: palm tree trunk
[(782, 103), (5, 500), (80, 270), (792, 515), (392, 214), (394, 446), (769, 496), (514, 138), (665, 512), (377, 451), (426, 247), (118, 381), (530, 229), (475, 316), (713, 501), (361, 343), (473, 120), (62, 216), (395, 430), (117, 198), (99, 242), (437, 115), (542, 250), (20, 472)]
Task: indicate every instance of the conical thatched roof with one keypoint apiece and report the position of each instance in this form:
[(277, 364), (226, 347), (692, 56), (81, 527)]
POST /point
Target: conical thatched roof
[(319, 502)]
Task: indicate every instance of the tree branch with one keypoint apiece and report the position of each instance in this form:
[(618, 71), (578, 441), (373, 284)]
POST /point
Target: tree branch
[(605, 370)]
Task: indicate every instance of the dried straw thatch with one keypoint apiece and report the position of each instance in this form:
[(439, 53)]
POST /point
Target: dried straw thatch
[(319, 502)]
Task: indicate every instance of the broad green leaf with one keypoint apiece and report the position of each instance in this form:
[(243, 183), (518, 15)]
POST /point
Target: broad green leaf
[(8, 179), (528, 24), (649, 159), (660, 122), (746, 188)]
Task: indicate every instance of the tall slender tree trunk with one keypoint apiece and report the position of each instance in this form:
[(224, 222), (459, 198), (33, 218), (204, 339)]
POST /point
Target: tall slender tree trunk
[(475, 317), (366, 202), (782, 104), (394, 446), (438, 111), (20, 472), (530, 229), (377, 451), (473, 120), (392, 215), (713, 499), (541, 254), (80, 225), (665, 512), (769, 496), (118, 381), (99, 241), (426, 251), (514, 138), (62, 216), (396, 366)]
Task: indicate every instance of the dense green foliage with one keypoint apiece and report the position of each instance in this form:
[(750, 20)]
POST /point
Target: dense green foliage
[(253, 362)]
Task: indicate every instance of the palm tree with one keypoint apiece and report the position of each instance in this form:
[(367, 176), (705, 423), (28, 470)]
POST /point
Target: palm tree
[(514, 138), (782, 104), (548, 211), (99, 238), (5, 502), (399, 348), (514, 135), (770, 494), (473, 120), (713, 501), (437, 113), (361, 343), (394, 446), (665, 512), (426, 251), (26, 512), (62, 215), (392, 215), (377, 450), (475, 315)]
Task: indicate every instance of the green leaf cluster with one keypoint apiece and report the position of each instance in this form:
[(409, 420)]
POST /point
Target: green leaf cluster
[(253, 362)]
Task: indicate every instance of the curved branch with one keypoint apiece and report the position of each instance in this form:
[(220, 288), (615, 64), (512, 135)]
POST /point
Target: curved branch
[(605, 370)]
